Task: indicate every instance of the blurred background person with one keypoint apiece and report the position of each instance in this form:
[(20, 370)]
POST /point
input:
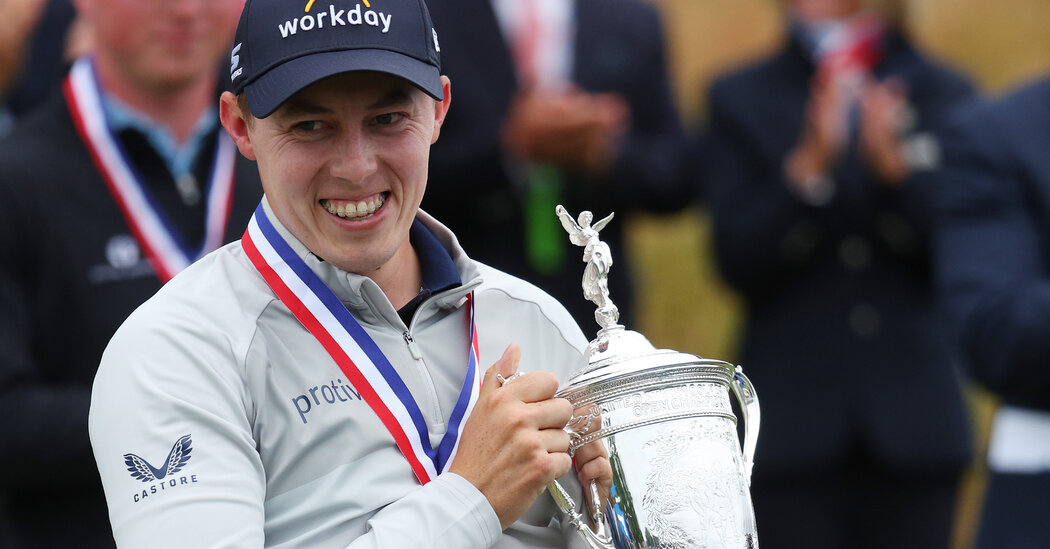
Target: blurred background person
[(20, 19), (567, 101), (993, 251), (38, 41), (106, 190), (818, 177)]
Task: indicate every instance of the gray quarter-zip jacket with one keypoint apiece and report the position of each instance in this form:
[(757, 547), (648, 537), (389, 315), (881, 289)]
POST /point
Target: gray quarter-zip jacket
[(218, 420)]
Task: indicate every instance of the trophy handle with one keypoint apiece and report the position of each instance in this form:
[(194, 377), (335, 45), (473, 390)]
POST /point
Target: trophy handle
[(752, 416), (595, 540)]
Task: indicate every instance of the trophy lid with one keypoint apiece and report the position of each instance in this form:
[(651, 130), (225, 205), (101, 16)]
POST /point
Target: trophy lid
[(619, 357)]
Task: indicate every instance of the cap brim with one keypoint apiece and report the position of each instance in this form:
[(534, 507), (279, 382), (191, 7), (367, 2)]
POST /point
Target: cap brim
[(283, 81)]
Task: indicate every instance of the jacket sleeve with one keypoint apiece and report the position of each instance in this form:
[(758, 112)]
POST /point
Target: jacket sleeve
[(936, 93), (764, 236), (992, 266), (44, 427), (171, 387), (167, 388), (646, 171), (447, 512)]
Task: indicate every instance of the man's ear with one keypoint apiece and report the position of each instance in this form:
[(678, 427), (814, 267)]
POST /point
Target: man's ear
[(442, 108), (233, 120)]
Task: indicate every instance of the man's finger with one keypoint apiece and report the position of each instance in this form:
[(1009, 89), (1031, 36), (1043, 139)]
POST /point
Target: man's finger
[(505, 366), (551, 413), (533, 387), (508, 363), (555, 440), (598, 469), (590, 451)]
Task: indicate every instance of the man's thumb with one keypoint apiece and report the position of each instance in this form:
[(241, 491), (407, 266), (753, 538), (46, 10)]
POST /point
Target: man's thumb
[(506, 366)]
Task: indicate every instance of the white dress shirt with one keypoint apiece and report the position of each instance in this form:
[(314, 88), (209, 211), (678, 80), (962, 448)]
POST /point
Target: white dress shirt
[(557, 30)]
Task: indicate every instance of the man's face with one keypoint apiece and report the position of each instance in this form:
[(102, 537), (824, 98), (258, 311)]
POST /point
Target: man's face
[(344, 164), (163, 43)]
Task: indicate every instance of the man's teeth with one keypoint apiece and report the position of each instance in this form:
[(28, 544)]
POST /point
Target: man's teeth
[(351, 210)]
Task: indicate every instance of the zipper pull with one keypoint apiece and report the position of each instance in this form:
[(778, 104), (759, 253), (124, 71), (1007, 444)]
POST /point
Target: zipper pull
[(412, 347)]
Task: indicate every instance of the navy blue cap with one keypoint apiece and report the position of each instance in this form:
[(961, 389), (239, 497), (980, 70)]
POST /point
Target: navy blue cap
[(283, 46)]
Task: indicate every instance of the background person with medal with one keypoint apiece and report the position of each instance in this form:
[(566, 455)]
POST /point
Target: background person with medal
[(344, 375), (819, 181), (116, 183)]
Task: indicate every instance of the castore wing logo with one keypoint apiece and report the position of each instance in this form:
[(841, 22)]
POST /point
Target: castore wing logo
[(178, 456)]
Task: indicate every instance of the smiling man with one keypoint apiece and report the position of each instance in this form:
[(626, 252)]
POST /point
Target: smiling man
[(322, 382)]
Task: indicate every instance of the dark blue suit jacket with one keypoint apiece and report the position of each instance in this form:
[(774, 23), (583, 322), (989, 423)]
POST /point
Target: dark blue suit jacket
[(619, 47), (62, 296), (994, 242), (842, 337)]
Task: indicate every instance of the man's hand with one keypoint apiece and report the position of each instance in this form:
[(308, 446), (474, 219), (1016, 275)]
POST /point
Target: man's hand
[(513, 444), (823, 135), (592, 463), (569, 128), (882, 115)]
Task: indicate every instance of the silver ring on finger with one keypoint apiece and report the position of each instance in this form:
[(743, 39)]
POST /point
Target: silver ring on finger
[(505, 380)]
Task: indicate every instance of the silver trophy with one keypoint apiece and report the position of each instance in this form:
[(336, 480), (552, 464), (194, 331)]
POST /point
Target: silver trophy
[(680, 479)]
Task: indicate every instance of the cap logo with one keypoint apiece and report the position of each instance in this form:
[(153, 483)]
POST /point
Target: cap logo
[(310, 4), (335, 18), (235, 62)]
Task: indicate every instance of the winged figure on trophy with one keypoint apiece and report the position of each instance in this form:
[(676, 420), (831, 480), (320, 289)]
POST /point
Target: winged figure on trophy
[(598, 257)]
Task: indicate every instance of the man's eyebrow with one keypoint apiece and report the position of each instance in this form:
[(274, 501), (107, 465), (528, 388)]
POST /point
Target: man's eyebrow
[(297, 107), (394, 97)]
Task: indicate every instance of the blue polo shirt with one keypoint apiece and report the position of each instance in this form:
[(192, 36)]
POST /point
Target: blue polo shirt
[(179, 158)]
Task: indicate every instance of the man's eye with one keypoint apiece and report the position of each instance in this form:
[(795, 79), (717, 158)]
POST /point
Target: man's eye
[(309, 126), (388, 118)]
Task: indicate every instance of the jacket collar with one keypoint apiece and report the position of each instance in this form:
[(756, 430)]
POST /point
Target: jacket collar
[(363, 296), (895, 47)]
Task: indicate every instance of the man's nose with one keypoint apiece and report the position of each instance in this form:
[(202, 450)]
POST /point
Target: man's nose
[(355, 157)]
